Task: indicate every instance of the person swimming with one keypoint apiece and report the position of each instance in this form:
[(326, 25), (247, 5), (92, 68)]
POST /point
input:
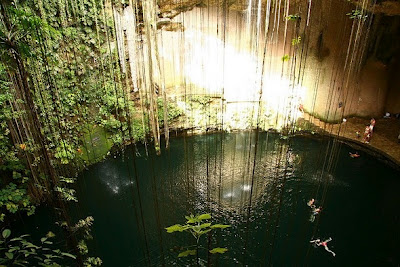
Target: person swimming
[(354, 155), (316, 211), (318, 243)]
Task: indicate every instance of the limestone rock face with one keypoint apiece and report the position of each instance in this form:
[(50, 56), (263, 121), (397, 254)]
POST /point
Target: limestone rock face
[(334, 58)]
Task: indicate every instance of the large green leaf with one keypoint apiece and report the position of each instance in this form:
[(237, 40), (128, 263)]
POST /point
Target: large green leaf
[(218, 250), (189, 252), (6, 233), (16, 239), (205, 216), (220, 226), (205, 225), (9, 255), (191, 219), (68, 255), (175, 228), (50, 234)]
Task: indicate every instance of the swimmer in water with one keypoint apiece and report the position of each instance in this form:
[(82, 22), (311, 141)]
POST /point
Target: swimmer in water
[(354, 155), (324, 243), (317, 210)]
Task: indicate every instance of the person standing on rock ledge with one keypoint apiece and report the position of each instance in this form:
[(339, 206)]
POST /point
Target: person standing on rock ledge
[(367, 134), (372, 125)]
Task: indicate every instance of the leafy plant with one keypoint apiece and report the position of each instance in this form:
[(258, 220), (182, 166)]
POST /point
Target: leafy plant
[(13, 199), (357, 14), (19, 251), (293, 17), (197, 226), (67, 194), (173, 111), (296, 41), (65, 152), (202, 100), (140, 132), (84, 226), (93, 261), (285, 58)]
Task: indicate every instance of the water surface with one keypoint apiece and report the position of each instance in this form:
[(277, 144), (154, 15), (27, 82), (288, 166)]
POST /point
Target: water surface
[(259, 188)]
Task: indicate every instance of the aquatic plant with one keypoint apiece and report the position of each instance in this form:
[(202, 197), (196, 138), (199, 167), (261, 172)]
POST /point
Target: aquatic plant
[(197, 227)]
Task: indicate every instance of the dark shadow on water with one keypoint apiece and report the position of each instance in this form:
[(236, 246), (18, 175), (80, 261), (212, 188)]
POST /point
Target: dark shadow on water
[(359, 198)]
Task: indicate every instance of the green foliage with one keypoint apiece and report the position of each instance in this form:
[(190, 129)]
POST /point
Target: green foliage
[(200, 99), (296, 41), (173, 111), (218, 250), (24, 26), (138, 131), (111, 124), (197, 226), (93, 261), (8, 159), (66, 193), (219, 226), (18, 251), (189, 252), (13, 174), (13, 199), (285, 58), (84, 226), (357, 14), (65, 152), (82, 247), (293, 17), (6, 233), (176, 228)]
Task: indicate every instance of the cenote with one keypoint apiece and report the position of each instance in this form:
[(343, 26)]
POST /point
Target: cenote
[(260, 188), (124, 125)]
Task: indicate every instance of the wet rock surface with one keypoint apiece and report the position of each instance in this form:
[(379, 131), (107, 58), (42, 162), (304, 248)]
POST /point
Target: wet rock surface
[(384, 137)]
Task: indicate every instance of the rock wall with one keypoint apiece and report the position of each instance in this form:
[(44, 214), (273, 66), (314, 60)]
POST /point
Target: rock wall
[(349, 63), (393, 58), (330, 57)]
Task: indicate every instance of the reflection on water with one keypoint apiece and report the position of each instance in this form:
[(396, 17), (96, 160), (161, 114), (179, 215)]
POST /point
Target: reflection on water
[(260, 187)]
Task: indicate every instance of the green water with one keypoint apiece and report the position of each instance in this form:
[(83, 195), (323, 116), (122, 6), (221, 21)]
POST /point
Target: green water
[(259, 188)]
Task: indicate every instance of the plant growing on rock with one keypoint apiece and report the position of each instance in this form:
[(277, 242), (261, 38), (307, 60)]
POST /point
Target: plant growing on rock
[(286, 57), (293, 17), (296, 41), (357, 14)]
